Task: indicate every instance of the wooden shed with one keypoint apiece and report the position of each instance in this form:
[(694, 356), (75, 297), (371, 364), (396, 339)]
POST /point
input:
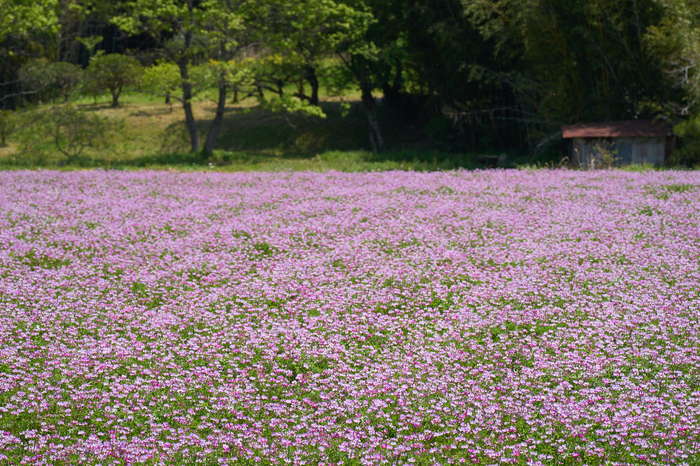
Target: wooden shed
[(620, 143)]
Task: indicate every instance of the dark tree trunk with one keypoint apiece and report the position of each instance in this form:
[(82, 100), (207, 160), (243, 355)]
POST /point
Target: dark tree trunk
[(115, 98), (218, 119), (375, 134), (187, 106), (313, 81), (301, 92), (358, 65)]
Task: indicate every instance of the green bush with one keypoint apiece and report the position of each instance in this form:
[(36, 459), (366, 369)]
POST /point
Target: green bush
[(36, 76), (67, 77), (113, 72), (49, 80), (70, 131), (688, 151), (162, 79)]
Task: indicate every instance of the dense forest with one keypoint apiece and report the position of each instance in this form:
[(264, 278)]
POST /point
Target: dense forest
[(473, 75)]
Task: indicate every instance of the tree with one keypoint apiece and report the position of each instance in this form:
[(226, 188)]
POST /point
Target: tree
[(114, 72), (213, 32), (309, 32), (675, 43), (36, 76), (26, 27), (163, 79), (21, 19), (50, 79), (582, 60), (188, 31), (361, 57), (67, 78)]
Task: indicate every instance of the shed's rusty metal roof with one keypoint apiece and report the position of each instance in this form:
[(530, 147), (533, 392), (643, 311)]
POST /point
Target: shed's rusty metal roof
[(618, 129)]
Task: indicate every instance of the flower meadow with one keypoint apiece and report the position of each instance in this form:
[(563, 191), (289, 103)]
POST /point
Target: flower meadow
[(491, 317)]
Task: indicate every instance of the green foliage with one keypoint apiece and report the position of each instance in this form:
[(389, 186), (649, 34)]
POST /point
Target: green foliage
[(163, 79), (198, 31), (675, 43), (90, 43), (70, 131), (485, 76), (21, 18), (311, 32), (288, 104), (583, 61), (50, 79), (67, 78), (114, 72), (36, 75), (688, 153), (8, 125)]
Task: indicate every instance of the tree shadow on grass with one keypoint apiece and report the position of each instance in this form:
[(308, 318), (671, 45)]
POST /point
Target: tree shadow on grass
[(153, 111), (290, 135), (254, 136)]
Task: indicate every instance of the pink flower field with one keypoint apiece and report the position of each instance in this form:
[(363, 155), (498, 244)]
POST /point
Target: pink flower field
[(492, 317)]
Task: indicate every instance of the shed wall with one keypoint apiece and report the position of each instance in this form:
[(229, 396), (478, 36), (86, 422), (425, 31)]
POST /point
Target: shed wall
[(597, 152)]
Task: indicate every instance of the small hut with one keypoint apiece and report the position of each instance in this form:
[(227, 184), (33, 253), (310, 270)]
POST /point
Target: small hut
[(620, 143)]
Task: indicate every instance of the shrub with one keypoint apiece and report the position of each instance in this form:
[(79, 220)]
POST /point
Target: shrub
[(114, 72), (36, 76), (67, 77), (688, 152), (162, 79), (70, 130), (49, 80)]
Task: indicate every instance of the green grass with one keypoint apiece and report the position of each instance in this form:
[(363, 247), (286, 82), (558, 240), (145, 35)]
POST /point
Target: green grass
[(153, 136), (252, 139)]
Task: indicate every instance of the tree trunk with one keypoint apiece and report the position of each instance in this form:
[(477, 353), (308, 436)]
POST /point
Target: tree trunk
[(218, 119), (187, 106), (301, 92), (115, 98), (313, 81), (375, 134)]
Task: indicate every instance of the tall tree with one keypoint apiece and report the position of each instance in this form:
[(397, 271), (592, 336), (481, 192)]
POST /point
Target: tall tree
[(26, 29), (306, 33), (209, 31), (363, 53), (435, 66), (188, 31), (675, 43), (20, 18), (585, 59)]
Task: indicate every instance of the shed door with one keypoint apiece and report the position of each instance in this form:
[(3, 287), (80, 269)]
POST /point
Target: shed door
[(624, 151), (641, 151)]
